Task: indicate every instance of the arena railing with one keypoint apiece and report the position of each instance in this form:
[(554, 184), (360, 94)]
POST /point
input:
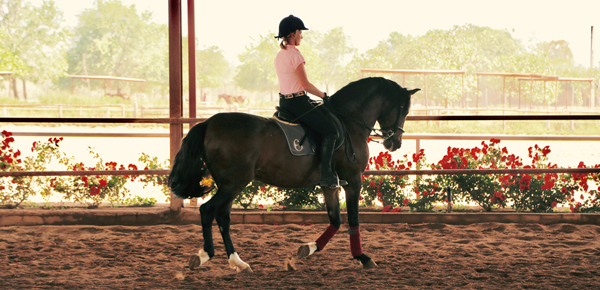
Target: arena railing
[(369, 172)]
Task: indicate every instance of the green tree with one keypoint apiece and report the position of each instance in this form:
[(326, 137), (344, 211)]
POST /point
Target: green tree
[(35, 40), (333, 48), (211, 67), (113, 39), (257, 70)]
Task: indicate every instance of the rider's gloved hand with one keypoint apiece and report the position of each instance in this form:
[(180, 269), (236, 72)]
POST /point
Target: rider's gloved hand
[(325, 99)]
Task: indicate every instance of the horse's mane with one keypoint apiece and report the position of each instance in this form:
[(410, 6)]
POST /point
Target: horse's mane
[(355, 93)]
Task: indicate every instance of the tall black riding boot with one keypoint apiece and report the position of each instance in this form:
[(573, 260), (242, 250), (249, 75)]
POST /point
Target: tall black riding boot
[(328, 176)]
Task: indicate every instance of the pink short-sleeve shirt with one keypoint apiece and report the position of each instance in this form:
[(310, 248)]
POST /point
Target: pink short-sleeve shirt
[(286, 62)]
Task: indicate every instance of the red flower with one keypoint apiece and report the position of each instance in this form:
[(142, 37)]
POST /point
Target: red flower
[(379, 194), (405, 201), (554, 204), (103, 183), (494, 141)]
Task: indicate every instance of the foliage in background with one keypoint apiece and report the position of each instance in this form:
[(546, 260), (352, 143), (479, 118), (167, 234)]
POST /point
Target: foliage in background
[(95, 189), (524, 192), (113, 39), (32, 41), (152, 163), (16, 190), (389, 190)]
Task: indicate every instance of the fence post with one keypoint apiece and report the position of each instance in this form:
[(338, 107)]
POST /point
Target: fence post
[(60, 111), (135, 109), (122, 110), (449, 198)]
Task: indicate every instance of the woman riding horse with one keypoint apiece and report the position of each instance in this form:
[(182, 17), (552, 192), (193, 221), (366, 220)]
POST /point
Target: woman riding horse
[(293, 97), (235, 148)]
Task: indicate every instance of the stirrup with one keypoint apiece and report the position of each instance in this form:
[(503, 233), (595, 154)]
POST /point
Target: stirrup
[(331, 185)]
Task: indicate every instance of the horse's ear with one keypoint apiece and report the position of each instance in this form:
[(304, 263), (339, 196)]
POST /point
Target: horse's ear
[(412, 92)]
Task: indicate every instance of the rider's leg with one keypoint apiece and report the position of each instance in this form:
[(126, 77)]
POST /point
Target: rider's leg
[(316, 120)]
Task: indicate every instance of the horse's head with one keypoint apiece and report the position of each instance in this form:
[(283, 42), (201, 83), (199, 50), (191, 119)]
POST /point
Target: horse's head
[(392, 120)]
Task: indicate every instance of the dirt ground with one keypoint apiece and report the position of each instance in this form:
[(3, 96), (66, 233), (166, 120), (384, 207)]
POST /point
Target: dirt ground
[(479, 256)]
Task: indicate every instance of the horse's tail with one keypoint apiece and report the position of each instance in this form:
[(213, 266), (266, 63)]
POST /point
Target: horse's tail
[(189, 176)]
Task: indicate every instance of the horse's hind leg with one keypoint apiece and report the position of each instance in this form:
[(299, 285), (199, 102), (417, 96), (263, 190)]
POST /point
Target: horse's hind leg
[(207, 216), (332, 202), (219, 207), (224, 221)]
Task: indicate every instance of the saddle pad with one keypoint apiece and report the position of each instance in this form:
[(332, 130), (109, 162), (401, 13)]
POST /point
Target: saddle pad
[(294, 133)]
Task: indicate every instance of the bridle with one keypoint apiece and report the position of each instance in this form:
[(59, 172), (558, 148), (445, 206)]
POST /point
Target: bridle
[(390, 131), (385, 133)]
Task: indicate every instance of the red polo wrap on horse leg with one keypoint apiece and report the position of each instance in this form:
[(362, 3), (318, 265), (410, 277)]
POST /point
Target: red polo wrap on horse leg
[(325, 237), (355, 247)]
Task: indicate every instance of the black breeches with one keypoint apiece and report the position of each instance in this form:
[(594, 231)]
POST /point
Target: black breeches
[(307, 114)]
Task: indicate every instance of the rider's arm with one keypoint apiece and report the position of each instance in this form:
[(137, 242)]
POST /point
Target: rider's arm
[(307, 85)]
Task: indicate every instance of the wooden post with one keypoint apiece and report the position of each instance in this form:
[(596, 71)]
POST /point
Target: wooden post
[(566, 95), (192, 57), (519, 93), (175, 87), (556, 102), (477, 96), (530, 94), (504, 92), (192, 67), (426, 92)]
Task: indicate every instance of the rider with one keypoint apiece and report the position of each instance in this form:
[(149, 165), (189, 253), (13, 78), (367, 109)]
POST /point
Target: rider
[(293, 88)]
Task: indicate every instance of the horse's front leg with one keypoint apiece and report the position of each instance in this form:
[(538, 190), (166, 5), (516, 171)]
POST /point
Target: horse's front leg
[(352, 198), (332, 202)]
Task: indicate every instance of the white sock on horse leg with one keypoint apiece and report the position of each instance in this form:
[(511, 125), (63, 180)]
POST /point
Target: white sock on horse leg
[(203, 256), (307, 250), (236, 263), (313, 247)]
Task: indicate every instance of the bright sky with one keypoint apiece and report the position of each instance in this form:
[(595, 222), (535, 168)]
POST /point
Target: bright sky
[(231, 24)]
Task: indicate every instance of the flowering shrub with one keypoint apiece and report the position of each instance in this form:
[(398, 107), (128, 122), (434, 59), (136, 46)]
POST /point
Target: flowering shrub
[(93, 190), (538, 192), (252, 190), (590, 199), (387, 189), (427, 189), (15, 190), (152, 163), (483, 189)]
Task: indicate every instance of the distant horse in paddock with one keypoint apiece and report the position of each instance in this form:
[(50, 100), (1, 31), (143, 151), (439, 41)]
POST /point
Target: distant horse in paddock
[(236, 148), (232, 99)]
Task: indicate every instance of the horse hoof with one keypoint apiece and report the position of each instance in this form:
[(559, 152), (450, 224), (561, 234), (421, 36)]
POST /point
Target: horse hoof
[(370, 265), (237, 264), (306, 250), (246, 270), (194, 262)]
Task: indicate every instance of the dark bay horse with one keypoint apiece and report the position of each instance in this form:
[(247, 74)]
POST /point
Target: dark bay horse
[(236, 148)]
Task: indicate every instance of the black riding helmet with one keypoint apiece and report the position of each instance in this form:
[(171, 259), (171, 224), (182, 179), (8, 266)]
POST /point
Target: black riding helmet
[(290, 24)]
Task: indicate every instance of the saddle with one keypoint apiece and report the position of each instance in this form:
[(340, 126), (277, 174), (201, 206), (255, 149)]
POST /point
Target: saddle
[(303, 141)]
